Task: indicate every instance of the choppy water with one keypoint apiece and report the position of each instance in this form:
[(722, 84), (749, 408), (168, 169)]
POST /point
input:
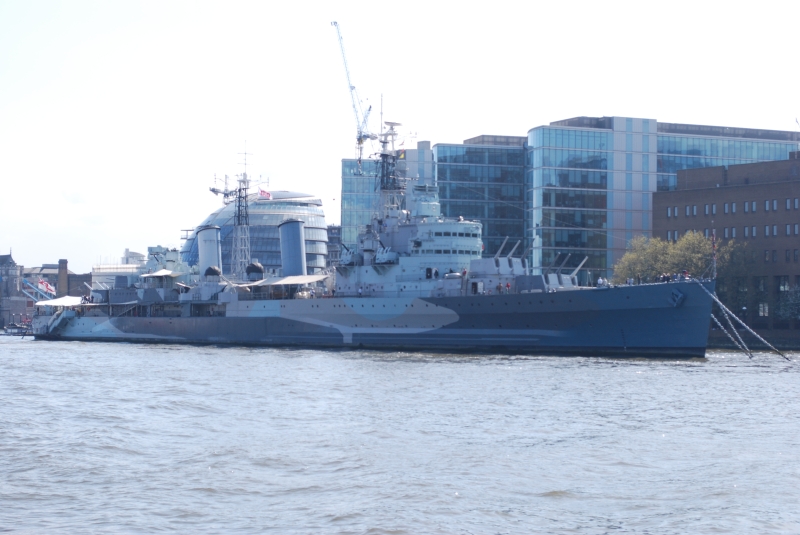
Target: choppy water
[(126, 438)]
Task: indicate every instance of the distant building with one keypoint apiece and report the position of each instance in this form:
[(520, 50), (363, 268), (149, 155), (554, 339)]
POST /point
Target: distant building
[(483, 179), (13, 303), (120, 275), (758, 203), (266, 212), (21, 287), (10, 276)]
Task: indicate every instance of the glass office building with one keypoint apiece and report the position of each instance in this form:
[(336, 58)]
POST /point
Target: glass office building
[(265, 243), (360, 197), (582, 186), (589, 181), (483, 179)]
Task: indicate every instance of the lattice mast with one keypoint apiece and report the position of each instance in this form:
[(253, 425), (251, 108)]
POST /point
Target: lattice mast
[(391, 184), (240, 247)]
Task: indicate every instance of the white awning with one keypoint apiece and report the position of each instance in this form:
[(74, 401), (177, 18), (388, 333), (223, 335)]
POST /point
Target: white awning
[(66, 301), (295, 279), (163, 273)]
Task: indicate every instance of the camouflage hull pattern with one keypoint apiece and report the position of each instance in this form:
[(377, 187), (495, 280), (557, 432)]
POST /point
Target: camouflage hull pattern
[(655, 320)]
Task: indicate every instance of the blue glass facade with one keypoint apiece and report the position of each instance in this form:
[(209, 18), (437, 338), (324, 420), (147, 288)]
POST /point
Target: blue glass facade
[(484, 182), (589, 181), (690, 152), (582, 186), (360, 197)]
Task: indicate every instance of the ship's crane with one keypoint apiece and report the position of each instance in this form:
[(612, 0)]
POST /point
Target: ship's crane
[(362, 129)]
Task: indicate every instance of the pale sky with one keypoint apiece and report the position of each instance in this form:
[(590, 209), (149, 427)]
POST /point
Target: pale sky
[(115, 116)]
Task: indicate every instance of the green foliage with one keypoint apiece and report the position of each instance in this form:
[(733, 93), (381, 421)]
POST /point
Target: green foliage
[(648, 258), (788, 305)]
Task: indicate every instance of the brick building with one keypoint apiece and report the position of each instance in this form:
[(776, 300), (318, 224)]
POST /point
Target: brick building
[(13, 304), (758, 203)]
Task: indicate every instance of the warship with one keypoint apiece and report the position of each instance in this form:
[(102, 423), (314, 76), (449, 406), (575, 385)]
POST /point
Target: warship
[(417, 281)]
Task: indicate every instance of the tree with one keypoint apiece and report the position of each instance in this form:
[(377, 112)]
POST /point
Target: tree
[(648, 258)]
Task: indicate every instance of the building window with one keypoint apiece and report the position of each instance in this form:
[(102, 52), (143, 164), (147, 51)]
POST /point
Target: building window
[(675, 211), (766, 255), (669, 235), (706, 233), (774, 204), (669, 211), (763, 310), (733, 232), (766, 231), (788, 204), (766, 206), (754, 232), (733, 207), (774, 255), (796, 255), (796, 229), (714, 209), (687, 210), (795, 203), (746, 207), (782, 283), (746, 232), (753, 208), (725, 208), (788, 229), (706, 209), (694, 210), (774, 230), (726, 232)]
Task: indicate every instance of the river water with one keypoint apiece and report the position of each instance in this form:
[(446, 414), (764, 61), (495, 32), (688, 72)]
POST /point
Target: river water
[(127, 438)]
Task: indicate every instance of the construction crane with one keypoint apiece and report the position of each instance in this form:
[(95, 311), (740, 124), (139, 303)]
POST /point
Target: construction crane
[(362, 130)]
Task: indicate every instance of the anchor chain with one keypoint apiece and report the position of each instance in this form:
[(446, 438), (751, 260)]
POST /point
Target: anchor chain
[(721, 328), (743, 324)]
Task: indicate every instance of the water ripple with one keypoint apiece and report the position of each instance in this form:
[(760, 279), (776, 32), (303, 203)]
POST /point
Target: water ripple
[(127, 438)]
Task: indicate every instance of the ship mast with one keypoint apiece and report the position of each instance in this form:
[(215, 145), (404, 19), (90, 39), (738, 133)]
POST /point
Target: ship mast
[(240, 247), (391, 185)]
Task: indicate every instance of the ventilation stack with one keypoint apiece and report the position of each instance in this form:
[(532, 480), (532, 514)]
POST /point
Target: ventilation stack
[(293, 247), (209, 248)]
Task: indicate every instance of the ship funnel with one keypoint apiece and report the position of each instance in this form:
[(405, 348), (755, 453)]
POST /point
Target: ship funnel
[(208, 247), (293, 247)]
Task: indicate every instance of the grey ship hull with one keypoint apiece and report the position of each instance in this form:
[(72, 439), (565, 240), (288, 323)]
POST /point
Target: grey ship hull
[(627, 321)]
